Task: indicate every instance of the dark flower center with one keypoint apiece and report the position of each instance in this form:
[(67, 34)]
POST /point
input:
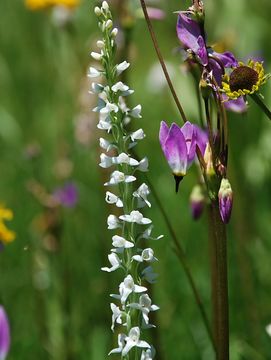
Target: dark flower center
[(243, 78)]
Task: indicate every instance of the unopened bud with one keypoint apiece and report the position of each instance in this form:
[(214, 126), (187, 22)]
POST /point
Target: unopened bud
[(114, 32), (105, 6), (225, 198), (108, 24), (197, 201), (208, 159), (96, 56), (97, 11), (100, 44)]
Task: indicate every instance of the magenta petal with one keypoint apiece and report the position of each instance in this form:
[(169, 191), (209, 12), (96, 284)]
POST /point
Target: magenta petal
[(227, 58), (225, 207), (202, 52), (189, 33), (188, 131), (163, 133), (4, 334), (201, 138), (175, 150)]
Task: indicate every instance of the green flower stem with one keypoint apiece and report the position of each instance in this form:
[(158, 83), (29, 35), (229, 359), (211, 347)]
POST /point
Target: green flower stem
[(219, 283), (258, 100)]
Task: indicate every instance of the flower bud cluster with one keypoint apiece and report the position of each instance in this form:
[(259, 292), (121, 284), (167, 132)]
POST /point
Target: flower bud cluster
[(132, 304)]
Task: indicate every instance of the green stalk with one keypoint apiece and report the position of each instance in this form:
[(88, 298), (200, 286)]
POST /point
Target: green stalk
[(257, 99), (220, 283)]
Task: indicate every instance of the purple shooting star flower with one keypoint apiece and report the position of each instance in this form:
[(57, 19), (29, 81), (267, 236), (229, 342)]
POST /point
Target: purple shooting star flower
[(4, 334), (179, 146), (192, 36)]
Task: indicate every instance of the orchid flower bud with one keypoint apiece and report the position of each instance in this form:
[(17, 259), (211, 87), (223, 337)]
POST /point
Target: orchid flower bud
[(225, 198)]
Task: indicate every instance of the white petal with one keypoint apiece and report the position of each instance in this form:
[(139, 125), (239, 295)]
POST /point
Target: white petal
[(129, 345), (119, 86), (92, 73), (140, 289), (136, 112), (122, 67), (137, 258)]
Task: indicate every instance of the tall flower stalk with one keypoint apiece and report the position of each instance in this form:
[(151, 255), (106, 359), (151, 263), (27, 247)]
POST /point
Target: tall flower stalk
[(132, 304)]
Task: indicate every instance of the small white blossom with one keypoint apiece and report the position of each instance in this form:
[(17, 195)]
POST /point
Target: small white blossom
[(141, 193), (104, 125), (108, 108), (114, 32), (125, 159), (146, 255), (96, 88), (121, 343), (106, 161), (147, 234), (111, 198), (128, 287), (149, 275), (118, 177), (100, 44), (137, 135), (113, 222), (105, 6), (114, 261), (136, 112), (143, 165), (119, 86), (120, 242), (135, 217), (132, 340), (116, 315), (145, 306), (97, 11), (105, 144), (96, 56), (93, 73), (108, 24), (122, 67)]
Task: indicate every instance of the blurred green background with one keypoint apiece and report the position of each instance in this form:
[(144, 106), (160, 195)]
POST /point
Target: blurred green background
[(51, 285)]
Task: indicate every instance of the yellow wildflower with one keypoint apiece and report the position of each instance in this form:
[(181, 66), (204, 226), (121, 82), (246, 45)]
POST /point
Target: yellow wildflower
[(43, 4), (6, 235), (244, 79)]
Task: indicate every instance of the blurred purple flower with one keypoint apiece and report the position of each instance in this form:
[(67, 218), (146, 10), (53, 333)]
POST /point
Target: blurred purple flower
[(238, 105), (67, 195), (156, 14), (4, 334), (193, 38), (179, 147), (197, 202)]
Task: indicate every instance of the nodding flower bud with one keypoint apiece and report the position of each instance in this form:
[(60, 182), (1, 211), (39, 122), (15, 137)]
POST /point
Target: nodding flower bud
[(225, 198), (208, 159), (197, 201)]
